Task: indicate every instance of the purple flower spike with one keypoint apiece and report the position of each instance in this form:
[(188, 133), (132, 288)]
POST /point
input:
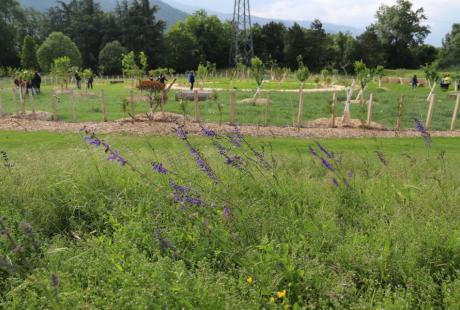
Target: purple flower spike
[(313, 152), (328, 154), (236, 137), (193, 201), (159, 168), (227, 213), (208, 132), (335, 183), (350, 174), (425, 134), (202, 164), (327, 164), (381, 157), (181, 133)]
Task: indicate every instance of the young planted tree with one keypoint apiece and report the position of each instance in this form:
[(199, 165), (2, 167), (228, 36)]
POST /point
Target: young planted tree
[(23, 76), (302, 74), (258, 73), (380, 73), (61, 69), (326, 75), (130, 67), (363, 76), (204, 71), (144, 62), (431, 75)]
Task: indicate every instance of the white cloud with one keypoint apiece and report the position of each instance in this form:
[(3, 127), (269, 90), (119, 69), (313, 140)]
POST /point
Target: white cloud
[(359, 13)]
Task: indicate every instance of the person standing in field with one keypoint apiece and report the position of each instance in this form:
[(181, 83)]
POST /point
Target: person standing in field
[(191, 79), (89, 84), (78, 79), (414, 82)]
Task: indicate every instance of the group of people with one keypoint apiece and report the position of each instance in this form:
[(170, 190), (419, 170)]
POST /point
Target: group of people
[(444, 83), (33, 86), (89, 82)]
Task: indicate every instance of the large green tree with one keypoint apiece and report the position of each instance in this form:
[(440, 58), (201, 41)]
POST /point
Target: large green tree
[(294, 45), (369, 48), (450, 52), (11, 16), (29, 53), (139, 30), (399, 28), (110, 58), (81, 20), (183, 50), (269, 42), (57, 45)]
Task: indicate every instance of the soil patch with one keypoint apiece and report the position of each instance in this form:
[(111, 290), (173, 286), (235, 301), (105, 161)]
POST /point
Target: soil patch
[(353, 123)]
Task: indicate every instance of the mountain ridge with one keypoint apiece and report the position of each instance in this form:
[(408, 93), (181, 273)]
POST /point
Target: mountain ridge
[(178, 11)]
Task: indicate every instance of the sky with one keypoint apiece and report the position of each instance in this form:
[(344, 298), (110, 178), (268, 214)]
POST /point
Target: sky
[(357, 13)]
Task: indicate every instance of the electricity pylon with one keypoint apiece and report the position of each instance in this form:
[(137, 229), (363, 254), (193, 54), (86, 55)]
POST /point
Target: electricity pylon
[(242, 48)]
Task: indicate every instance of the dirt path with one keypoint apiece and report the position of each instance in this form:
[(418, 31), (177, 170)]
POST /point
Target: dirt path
[(333, 88), (157, 128)]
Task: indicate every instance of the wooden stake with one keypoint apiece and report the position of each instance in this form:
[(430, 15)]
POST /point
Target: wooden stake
[(32, 105), (334, 109), (400, 112), (103, 107), (74, 107), (23, 100), (454, 115), (16, 105), (431, 92), (232, 107), (162, 102), (369, 110), (132, 103), (267, 111), (301, 107), (429, 115), (197, 107), (2, 112), (54, 108)]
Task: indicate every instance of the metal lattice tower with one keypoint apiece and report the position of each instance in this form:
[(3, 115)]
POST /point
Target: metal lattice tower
[(242, 45)]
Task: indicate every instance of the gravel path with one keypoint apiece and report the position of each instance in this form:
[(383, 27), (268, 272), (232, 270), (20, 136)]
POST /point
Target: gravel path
[(157, 128)]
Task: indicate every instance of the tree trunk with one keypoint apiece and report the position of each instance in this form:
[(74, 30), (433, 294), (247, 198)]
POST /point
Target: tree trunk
[(301, 106)]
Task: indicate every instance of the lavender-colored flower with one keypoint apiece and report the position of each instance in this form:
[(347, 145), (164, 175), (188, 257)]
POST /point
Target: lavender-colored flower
[(208, 132), (350, 174), (220, 148), (193, 201), (313, 152), (202, 163), (159, 168), (181, 133), (382, 158), (114, 156), (328, 154), (425, 134), (236, 137), (335, 183), (179, 188), (327, 164), (227, 213), (234, 161)]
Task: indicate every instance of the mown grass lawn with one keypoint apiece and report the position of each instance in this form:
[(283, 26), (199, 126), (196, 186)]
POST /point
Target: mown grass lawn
[(283, 108), (276, 233)]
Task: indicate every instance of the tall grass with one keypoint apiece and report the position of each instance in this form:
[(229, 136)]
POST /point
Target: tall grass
[(274, 232)]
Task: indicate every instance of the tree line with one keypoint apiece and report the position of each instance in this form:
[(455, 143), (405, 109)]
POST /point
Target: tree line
[(95, 39)]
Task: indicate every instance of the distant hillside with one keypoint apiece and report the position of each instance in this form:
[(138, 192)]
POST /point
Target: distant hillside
[(165, 12)]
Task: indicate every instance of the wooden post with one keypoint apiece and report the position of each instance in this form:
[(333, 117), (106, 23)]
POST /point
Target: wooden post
[(32, 105), (369, 110), (454, 115), (74, 107), (103, 107), (197, 107), (2, 112), (16, 105), (23, 100), (301, 107), (429, 116), (162, 101), (132, 103), (431, 92), (267, 111), (232, 107), (54, 108), (334, 109), (400, 112)]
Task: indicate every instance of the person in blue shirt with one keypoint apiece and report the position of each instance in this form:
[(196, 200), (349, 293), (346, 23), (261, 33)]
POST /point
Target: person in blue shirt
[(191, 79)]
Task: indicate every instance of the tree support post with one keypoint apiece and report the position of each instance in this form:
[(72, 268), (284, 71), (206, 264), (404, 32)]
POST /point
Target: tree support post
[(454, 115), (74, 107), (197, 107), (369, 110), (429, 116), (334, 110), (301, 107), (103, 107), (232, 107)]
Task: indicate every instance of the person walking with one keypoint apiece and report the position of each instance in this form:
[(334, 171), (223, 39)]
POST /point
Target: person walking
[(89, 84), (191, 79), (78, 80), (414, 82), (162, 79), (36, 83)]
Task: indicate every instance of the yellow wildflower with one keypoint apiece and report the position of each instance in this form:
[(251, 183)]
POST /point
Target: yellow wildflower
[(272, 299), (281, 294), (250, 280)]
